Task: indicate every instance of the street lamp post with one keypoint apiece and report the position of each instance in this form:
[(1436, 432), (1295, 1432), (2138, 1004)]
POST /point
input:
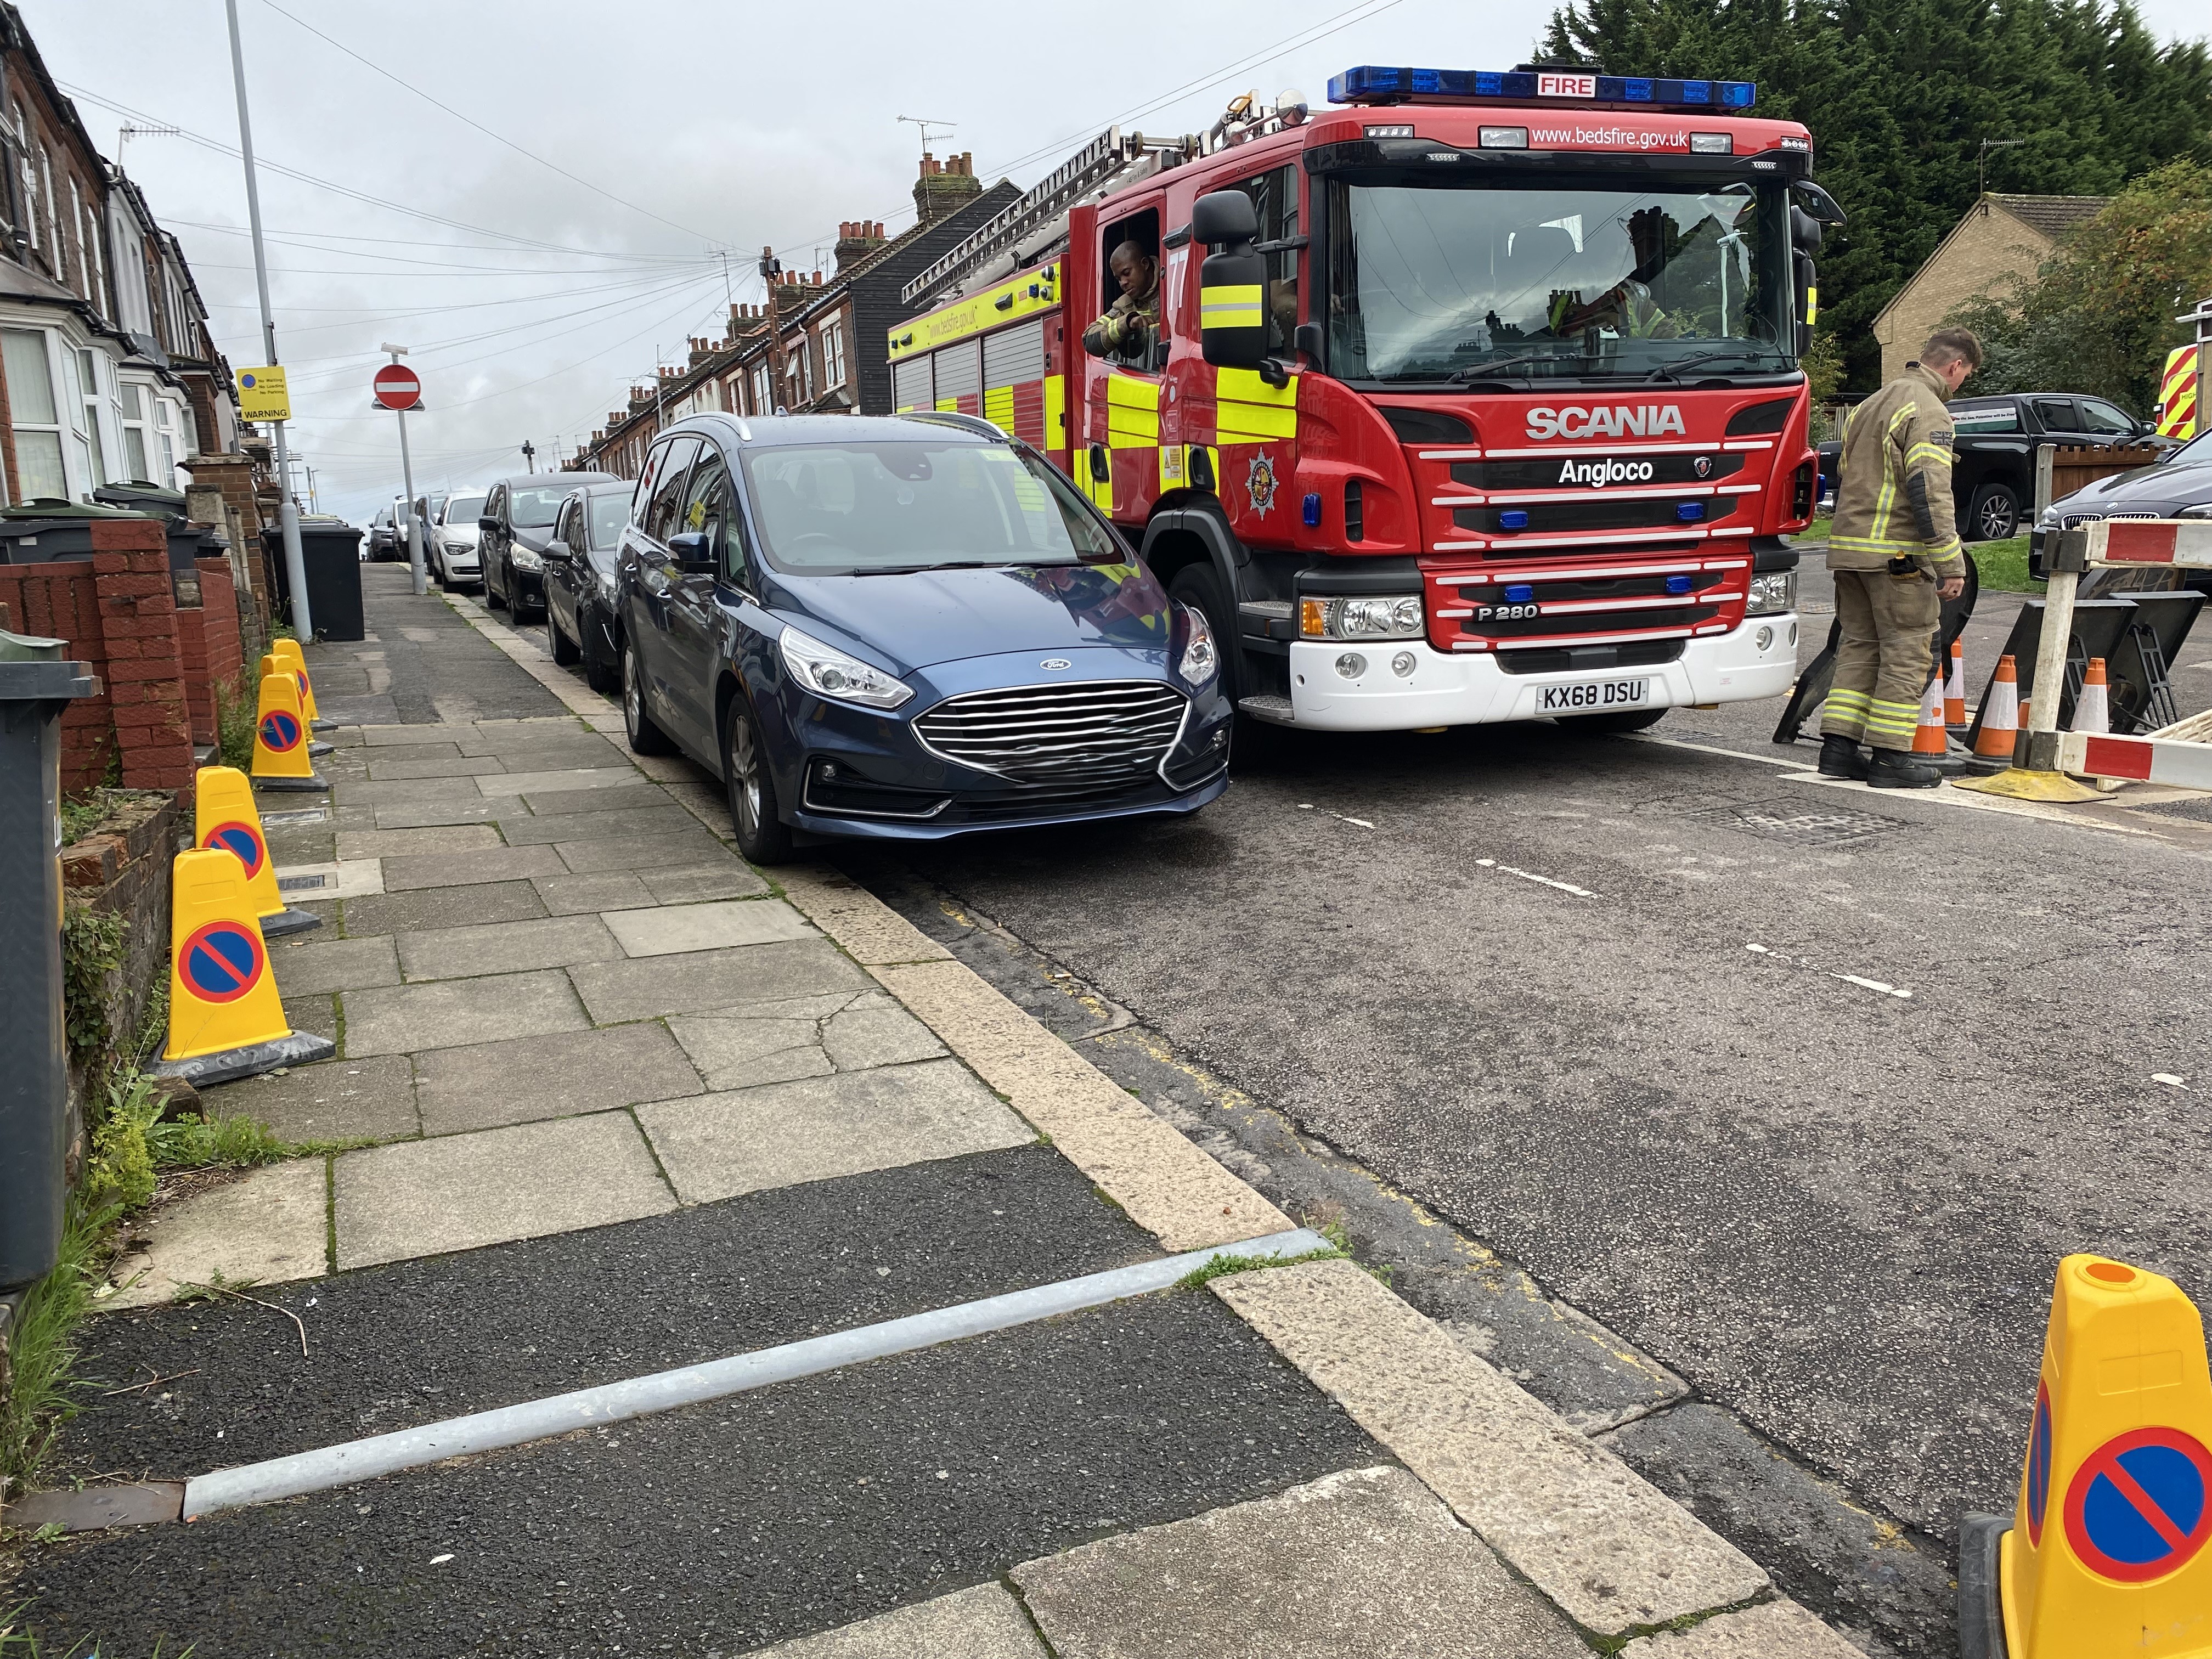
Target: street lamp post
[(287, 510), (529, 455)]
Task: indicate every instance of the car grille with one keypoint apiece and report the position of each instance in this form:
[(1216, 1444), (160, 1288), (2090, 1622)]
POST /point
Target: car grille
[(1103, 732), (2076, 520)]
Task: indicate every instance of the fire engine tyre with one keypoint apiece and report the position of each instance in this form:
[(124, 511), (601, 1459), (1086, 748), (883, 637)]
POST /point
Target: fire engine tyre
[(1994, 515), (645, 737), (1624, 720), (1198, 586)]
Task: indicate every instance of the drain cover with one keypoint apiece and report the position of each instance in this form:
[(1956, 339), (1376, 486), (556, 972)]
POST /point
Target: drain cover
[(1788, 819)]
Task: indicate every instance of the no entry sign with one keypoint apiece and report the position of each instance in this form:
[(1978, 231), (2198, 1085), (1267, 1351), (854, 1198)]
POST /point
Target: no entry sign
[(396, 386)]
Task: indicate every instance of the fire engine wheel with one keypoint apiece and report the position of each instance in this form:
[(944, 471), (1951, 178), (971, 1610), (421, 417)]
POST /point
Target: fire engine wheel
[(1199, 587), (1623, 719)]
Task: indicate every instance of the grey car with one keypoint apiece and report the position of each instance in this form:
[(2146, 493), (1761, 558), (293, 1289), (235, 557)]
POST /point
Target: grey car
[(2178, 487), (579, 581)]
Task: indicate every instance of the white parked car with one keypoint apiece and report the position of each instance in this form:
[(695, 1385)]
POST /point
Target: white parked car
[(453, 548)]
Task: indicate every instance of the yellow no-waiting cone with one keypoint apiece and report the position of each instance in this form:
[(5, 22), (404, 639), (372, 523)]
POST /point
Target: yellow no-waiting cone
[(225, 816), (225, 1018)]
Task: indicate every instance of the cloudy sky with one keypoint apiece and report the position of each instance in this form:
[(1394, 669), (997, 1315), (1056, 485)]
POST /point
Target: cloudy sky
[(564, 215)]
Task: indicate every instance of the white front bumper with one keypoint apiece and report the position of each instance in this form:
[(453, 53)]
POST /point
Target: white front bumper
[(1470, 689)]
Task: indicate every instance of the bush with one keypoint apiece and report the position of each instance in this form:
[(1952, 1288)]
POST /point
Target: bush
[(236, 705)]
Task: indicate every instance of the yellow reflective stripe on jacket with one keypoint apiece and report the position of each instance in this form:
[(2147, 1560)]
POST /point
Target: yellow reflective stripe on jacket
[(1235, 305), (1924, 451)]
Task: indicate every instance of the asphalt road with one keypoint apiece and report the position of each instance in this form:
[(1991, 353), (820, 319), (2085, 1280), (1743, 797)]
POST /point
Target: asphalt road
[(1510, 969)]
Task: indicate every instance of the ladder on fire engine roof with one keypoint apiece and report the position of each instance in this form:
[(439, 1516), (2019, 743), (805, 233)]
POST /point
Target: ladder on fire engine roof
[(1099, 162)]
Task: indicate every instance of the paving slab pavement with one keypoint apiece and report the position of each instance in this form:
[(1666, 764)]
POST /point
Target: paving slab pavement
[(462, 1192), (447, 1013), (484, 1085)]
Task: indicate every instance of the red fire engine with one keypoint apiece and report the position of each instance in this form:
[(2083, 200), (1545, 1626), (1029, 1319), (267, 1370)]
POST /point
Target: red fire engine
[(1475, 398)]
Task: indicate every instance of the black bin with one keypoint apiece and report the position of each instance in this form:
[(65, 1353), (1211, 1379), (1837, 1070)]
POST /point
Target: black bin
[(155, 502), (36, 682), (38, 530), (331, 551)]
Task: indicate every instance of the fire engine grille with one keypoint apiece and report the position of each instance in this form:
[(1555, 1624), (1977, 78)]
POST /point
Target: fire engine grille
[(1104, 731)]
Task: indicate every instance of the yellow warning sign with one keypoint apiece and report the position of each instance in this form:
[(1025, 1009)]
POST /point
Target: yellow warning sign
[(227, 817), (2107, 1549), (280, 733), (262, 395), (289, 656), (222, 993)]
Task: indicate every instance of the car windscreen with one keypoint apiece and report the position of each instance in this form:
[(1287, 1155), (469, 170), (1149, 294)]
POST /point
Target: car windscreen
[(533, 508), (464, 509), (916, 505), (1557, 280), (607, 514)]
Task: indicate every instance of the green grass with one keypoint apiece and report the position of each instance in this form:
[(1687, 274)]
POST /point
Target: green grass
[(1816, 531), (42, 1349), (203, 1143), (2003, 566), (236, 708)]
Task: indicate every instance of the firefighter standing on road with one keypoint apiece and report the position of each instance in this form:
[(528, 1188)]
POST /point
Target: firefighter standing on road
[(1130, 325), (1893, 549)]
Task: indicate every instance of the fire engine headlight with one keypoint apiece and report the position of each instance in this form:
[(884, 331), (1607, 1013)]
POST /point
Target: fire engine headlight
[(1776, 591), (1502, 137), (1393, 618), (1199, 661), (1712, 143)]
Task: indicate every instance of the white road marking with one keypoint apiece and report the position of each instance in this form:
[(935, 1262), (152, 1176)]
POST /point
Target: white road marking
[(1530, 875), (1716, 749), (1882, 985), (1361, 822), (2169, 1080)]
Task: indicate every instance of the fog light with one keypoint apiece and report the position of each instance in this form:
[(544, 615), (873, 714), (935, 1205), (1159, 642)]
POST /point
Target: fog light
[(1351, 665), (1763, 638), (1402, 664)]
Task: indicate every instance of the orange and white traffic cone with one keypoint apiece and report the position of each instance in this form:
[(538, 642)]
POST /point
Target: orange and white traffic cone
[(1954, 689), (2002, 713), (1931, 739), (2093, 709)]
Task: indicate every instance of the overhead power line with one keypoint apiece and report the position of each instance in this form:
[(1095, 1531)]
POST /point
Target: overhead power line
[(471, 121)]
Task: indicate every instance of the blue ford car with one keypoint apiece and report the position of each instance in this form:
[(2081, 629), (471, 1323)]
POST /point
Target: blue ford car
[(904, 628)]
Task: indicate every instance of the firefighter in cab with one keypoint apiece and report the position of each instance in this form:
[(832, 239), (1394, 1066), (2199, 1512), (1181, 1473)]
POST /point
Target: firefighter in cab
[(1893, 549), (1127, 330)]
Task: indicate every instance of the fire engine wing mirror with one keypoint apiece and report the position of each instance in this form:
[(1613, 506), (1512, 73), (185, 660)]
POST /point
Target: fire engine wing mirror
[(1804, 229), (1223, 218), (1819, 202), (1232, 284), (1808, 299)]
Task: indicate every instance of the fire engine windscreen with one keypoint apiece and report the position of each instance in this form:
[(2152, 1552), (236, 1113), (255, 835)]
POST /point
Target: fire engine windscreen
[(867, 508), (1557, 281)]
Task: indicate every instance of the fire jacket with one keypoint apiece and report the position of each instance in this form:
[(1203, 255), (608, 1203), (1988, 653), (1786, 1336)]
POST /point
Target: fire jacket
[(1127, 327), (1893, 500)]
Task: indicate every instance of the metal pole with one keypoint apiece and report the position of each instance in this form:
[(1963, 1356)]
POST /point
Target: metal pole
[(420, 572), (288, 511)]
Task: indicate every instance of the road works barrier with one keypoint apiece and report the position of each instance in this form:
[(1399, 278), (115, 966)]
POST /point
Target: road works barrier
[(288, 656), (225, 816), (2177, 754), (280, 736), (2104, 1552), (226, 1019)]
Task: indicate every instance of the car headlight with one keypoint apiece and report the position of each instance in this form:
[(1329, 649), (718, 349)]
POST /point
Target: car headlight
[(2202, 510), (524, 559), (1201, 661), (1776, 590), (830, 673), (1393, 619), (2049, 515)]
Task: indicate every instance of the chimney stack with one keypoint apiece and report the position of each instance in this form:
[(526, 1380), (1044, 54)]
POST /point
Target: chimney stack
[(945, 187)]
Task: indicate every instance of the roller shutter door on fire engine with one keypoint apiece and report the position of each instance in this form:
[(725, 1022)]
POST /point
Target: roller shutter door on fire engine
[(911, 384), (960, 377), (1014, 382)]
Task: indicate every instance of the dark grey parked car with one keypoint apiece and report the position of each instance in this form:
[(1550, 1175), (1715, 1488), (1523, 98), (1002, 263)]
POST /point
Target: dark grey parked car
[(517, 523), (579, 581)]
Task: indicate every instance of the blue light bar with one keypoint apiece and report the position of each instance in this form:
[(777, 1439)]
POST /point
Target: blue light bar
[(1371, 84)]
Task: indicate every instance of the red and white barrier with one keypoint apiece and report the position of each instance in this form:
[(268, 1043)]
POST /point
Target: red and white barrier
[(2149, 541), (2142, 760)]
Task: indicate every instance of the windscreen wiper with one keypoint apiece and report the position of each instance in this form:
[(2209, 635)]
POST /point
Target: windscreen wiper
[(1674, 370), (1493, 371)]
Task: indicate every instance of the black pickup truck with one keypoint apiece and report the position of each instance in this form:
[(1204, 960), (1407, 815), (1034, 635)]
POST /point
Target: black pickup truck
[(1993, 476)]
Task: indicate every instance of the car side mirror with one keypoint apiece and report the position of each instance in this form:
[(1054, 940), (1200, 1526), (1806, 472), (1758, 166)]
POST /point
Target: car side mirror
[(694, 552), (484, 524), (557, 549)]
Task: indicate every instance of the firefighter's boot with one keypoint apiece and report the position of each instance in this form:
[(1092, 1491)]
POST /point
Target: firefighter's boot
[(1840, 757), (1900, 768)]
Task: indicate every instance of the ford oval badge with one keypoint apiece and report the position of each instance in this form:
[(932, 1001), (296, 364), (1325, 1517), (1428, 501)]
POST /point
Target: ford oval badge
[(1055, 662)]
